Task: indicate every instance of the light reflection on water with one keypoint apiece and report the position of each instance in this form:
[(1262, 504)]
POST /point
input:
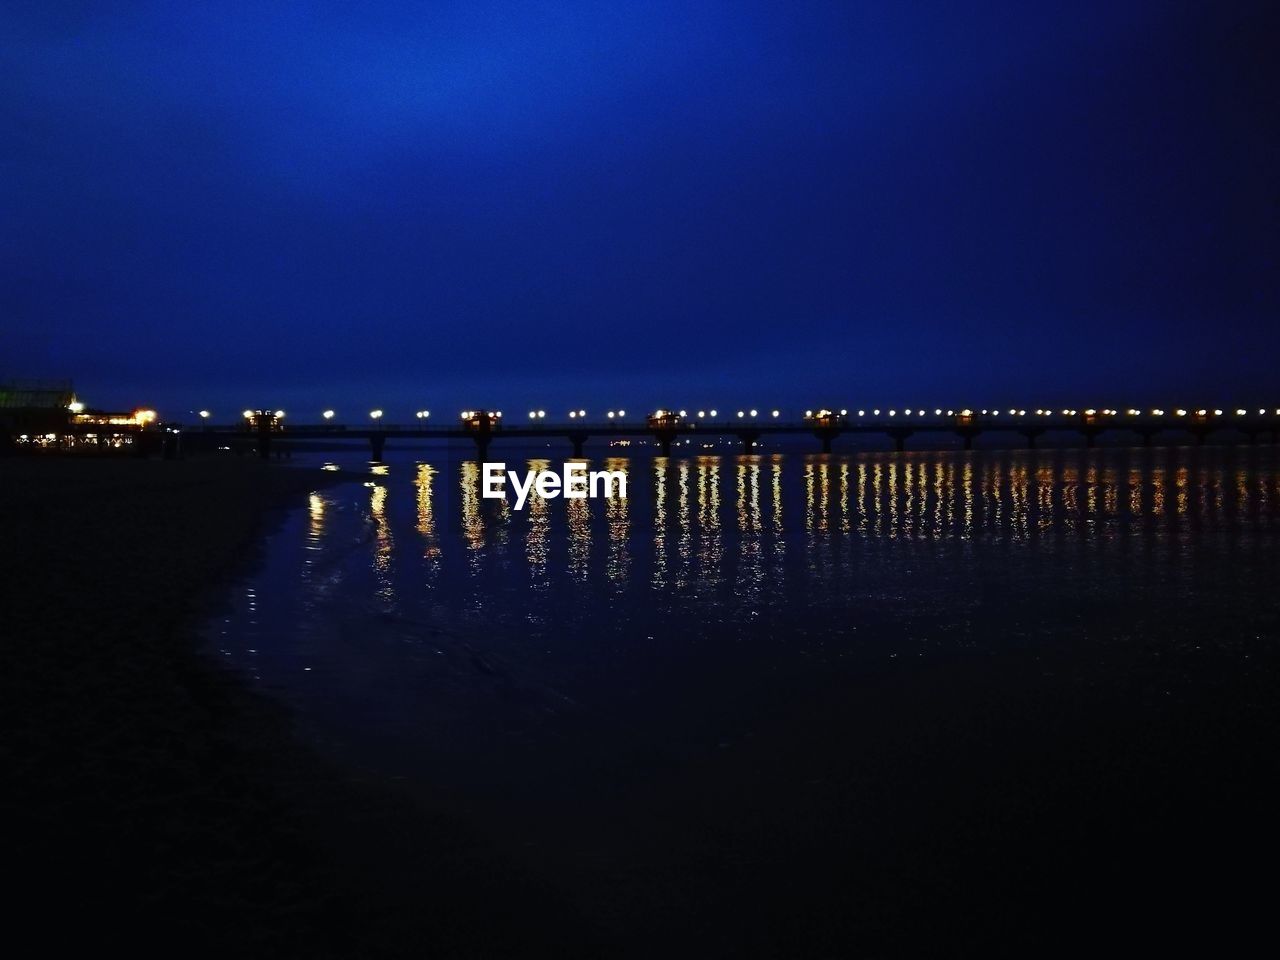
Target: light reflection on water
[(787, 554)]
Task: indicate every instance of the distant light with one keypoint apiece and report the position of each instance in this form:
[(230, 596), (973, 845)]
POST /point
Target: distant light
[(204, 414), (713, 413), (328, 414), (844, 413), (144, 416), (893, 413), (1217, 413), (1022, 413), (582, 413), (808, 413), (1181, 413), (875, 413), (937, 413), (753, 413), (610, 414), (701, 414), (375, 414), (75, 406), (279, 414), (533, 415), (622, 413), (541, 414), (741, 414), (775, 413), (683, 414), (573, 414), (1013, 413), (862, 413), (248, 414)]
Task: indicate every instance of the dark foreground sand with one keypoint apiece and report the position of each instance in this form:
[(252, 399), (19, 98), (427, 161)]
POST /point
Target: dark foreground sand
[(148, 799)]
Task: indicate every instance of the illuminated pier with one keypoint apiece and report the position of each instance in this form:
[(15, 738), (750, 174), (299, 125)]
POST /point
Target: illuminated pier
[(666, 427)]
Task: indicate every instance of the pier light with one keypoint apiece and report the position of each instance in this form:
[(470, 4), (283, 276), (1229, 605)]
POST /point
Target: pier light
[(1157, 413), (1181, 413), (753, 413), (1013, 413), (683, 414), (1022, 413), (843, 412), (611, 414), (893, 413), (701, 414), (375, 414), (775, 414), (938, 412), (875, 413), (808, 413), (279, 414), (328, 414), (582, 413), (541, 414), (1262, 413), (1090, 412), (1217, 413), (995, 413), (1239, 413), (204, 414), (713, 413), (573, 414), (862, 413), (248, 414), (951, 413), (1040, 412), (533, 414), (1066, 413), (741, 414)]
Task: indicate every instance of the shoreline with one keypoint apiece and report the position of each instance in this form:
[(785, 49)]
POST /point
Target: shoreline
[(154, 789)]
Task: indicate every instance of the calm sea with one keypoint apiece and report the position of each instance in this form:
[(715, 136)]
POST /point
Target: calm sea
[(801, 700)]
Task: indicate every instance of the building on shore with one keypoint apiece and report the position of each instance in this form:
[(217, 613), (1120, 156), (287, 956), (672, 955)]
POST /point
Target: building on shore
[(45, 415)]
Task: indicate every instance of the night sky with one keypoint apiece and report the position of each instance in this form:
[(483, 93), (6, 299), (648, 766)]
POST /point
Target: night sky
[(450, 205)]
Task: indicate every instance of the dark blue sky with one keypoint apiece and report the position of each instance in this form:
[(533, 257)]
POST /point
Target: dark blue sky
[(628, 204)]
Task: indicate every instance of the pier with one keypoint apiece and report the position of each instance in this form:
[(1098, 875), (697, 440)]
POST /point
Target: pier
[(904, 429)]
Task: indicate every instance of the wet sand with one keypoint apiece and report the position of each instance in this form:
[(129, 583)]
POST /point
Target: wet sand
[(150, 799)]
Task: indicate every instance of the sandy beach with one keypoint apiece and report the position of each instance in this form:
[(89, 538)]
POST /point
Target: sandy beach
[(150, 797)]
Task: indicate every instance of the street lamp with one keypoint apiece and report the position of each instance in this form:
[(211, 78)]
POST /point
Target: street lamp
[(328, 414), (375, 414)]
